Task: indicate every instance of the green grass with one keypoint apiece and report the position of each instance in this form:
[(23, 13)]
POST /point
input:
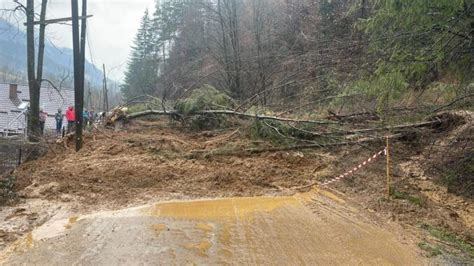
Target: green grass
[(431, 251), (410, 198), (450, 238), (7, 191)]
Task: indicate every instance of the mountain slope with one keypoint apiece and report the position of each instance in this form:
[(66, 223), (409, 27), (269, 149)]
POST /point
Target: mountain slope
[(57, 62)]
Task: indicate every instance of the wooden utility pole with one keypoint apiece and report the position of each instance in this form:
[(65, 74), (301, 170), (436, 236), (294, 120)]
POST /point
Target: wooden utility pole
[(106, 97), (79, 63)]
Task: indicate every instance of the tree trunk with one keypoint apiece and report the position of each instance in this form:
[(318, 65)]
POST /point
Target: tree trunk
[(258, 31), (78, 71), (33, 114), (235, 42), (39, 72), (225, 50), (34, 80)]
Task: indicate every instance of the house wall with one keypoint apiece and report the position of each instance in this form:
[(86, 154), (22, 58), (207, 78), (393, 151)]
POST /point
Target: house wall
[(50, 100)]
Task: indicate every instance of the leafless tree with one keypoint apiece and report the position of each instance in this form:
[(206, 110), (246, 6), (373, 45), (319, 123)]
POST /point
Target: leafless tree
[(34, 78)]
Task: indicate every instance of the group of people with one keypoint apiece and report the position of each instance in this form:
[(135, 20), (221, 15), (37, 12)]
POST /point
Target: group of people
[(89, 118)]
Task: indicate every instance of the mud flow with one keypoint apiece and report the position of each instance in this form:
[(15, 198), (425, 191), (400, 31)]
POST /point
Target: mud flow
[(302, 229)]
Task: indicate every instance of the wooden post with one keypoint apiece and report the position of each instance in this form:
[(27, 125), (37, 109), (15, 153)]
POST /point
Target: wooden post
[(77, 73), (106, 96), (79, 57), (83, 42), (387, 155)]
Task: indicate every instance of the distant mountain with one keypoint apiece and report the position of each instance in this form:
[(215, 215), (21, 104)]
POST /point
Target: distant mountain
[(57, 60)]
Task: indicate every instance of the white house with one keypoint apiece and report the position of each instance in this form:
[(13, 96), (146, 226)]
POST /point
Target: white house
[(15, 98)]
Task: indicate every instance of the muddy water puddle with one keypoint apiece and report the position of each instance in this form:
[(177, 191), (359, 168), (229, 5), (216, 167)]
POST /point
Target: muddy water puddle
[(309, 228)]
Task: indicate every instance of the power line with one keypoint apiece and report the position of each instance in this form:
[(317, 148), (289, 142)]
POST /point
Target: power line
[(89, 46)]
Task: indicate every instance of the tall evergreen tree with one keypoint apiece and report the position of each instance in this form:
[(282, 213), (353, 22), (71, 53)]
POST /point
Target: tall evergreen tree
[(422, 39), (142, 73)]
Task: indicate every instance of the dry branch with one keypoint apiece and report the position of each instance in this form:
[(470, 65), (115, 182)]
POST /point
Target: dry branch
[(340, 132), (230, 113), (452, 103), (339, 117), (398, 127), (323, 145), (245, 152), (319, 101), (286, 137), (255, 96)]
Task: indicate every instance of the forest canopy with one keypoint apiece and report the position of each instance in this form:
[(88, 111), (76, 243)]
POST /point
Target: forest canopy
[(272, 52)]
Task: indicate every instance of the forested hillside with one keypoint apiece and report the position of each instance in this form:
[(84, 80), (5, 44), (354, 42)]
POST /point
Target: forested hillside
[(296, 55), (57, 65), (58, 60)]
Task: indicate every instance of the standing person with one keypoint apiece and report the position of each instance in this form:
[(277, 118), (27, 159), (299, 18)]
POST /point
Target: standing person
[(59, 117), (42, 119), (71, 118), (102, 117), (96, 117), (85, 118), (91, 117)]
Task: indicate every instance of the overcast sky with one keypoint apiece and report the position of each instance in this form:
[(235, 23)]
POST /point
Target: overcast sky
[(110, 32)]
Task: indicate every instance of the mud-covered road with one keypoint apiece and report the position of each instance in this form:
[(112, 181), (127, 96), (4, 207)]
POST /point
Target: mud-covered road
[(311, 228)]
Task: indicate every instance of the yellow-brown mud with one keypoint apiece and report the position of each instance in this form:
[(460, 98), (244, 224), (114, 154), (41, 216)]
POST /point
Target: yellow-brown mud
[(312, 228)]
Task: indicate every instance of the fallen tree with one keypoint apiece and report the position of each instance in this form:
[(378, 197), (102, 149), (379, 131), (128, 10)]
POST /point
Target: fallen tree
[(389, 128), (207, 108), (119, 116), (246, 152), (229, 113)]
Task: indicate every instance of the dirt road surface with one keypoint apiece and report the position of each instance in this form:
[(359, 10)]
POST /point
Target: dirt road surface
[(311, 228)]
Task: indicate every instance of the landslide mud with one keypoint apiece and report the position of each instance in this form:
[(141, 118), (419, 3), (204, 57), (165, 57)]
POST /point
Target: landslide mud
[(303, 229), (153, 162)]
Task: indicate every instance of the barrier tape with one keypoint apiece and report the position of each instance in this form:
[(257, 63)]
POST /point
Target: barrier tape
[(355, 169)]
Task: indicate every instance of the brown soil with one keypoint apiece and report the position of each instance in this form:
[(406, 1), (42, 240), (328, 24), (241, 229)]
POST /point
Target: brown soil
[(150, 161), (420, 196)]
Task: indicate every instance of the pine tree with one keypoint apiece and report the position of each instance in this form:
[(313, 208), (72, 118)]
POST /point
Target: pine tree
[(141, 76), (421, 39)]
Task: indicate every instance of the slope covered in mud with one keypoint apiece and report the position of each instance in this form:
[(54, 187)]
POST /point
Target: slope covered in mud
[(150, 161)]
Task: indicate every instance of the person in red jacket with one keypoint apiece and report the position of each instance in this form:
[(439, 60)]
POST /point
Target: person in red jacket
[(71, 118)]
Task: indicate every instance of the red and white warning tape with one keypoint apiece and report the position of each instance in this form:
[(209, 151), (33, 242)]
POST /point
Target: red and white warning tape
[(353, 170)]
